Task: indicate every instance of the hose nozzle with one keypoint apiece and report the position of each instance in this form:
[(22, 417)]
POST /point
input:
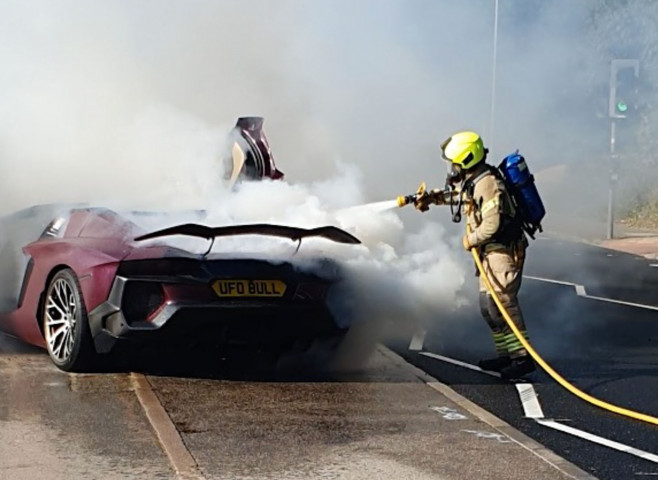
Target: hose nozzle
[(407, 199)]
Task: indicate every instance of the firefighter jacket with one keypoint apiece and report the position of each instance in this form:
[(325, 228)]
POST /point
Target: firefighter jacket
[(490, 212)]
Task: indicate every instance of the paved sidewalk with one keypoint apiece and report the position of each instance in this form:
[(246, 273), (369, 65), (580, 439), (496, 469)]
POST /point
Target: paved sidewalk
[(636, 241), (644, 244)]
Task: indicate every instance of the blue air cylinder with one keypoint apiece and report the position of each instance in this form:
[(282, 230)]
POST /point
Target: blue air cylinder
[(515, 170)]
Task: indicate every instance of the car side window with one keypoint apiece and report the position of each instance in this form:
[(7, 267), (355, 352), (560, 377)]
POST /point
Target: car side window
[(54, 229)]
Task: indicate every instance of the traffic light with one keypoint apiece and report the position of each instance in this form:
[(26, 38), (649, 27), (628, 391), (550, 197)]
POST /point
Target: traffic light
[(624, 88), (627, 101), (621, 106)]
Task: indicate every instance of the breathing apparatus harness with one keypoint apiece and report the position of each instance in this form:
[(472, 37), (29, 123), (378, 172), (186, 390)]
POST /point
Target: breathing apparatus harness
[(511, 227)]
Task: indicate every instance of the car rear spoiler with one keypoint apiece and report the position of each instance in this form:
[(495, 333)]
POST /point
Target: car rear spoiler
[(293, 233)]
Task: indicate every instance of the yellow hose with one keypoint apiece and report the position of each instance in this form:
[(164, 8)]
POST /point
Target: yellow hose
[(556, 376)]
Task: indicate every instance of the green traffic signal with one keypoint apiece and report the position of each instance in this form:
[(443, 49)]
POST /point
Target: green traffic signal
[(622, 106)]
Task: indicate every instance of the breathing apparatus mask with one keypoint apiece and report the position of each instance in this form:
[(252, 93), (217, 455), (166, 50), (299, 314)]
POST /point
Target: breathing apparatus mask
[(454, 178)]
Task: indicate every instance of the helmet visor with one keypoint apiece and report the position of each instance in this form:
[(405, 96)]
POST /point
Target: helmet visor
[(454, 172), (443, 150)]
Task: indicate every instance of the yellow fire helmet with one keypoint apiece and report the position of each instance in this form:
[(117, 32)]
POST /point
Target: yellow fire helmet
[(464, 149)]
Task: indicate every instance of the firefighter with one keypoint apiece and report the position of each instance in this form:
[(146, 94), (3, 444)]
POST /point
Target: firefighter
[(495, 230)]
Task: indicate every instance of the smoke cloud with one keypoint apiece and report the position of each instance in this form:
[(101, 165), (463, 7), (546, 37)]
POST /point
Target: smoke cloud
[(128, 105), (151, 89)]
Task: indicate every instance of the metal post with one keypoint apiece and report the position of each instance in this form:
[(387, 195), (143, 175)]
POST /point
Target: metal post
[(616, 65), (612, 182), (490, 140)]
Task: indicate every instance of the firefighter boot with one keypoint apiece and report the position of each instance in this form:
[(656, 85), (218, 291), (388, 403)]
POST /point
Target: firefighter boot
[(519, 367), (495, 364)]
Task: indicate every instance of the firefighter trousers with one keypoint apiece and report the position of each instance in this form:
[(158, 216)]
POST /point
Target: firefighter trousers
[(504, 269)]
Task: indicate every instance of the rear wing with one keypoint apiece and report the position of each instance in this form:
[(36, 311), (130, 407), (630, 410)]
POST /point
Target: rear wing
[(293, 233)]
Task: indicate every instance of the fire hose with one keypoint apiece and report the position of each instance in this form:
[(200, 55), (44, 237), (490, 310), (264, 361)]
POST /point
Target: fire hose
[(547, 368)]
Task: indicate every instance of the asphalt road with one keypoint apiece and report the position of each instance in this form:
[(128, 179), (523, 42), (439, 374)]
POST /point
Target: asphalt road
[(573, 299)]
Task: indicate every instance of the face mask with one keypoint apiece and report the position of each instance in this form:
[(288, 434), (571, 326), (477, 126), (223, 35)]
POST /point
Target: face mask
[(454, 177), (454, 174)]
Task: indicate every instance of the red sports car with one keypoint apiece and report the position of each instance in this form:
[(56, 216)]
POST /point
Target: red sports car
[(79, 281)]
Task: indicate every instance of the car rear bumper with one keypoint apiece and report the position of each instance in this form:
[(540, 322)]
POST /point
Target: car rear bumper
[(257, 322)]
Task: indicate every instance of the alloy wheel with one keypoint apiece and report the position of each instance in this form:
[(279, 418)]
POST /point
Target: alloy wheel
[(61, 320)]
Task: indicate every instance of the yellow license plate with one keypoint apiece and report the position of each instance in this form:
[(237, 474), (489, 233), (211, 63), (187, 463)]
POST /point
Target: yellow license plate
[(249, 288)]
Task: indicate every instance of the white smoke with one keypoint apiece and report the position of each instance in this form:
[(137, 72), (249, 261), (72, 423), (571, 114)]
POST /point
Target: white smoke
[(127, 105), (394, 275)]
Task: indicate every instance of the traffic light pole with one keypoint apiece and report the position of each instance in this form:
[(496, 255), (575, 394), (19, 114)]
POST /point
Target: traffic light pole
[(616, 65), (612, 183)]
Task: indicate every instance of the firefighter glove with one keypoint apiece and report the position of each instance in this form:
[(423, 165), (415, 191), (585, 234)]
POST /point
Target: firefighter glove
[(422, 201), (467, 245), (438, 197)]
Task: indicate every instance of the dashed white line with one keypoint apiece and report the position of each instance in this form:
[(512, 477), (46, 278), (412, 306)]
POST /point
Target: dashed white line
[(417, 341), (581, 292), (529, 400)]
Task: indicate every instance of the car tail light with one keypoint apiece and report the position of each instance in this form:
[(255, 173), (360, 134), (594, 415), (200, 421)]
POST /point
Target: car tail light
[(310, 291), (140, 300)]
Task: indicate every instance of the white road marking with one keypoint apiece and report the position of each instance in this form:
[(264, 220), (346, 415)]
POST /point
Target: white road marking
[(417, 341), (549, 280), (653, 265), (581, 292), (459, 363), (179, 456), (489, 436), (532, 409), (621, 302), (600, 440), (529, 400), (449, 413)]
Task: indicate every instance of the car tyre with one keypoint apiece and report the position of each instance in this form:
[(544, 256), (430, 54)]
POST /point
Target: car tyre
[(65, 324)]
